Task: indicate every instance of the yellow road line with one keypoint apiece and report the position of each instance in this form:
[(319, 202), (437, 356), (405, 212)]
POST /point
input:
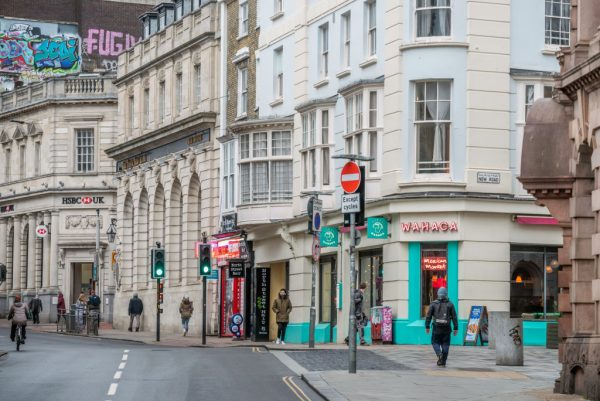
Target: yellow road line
[(288, 380)]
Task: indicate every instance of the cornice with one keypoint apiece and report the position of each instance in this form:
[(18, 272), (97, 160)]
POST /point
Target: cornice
[(265, 123)]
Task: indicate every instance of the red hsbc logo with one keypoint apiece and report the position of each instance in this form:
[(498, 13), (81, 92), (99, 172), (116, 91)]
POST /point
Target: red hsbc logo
[(86, 200), (41, 231)]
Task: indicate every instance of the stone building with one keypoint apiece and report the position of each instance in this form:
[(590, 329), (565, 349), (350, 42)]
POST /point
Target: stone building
[(167, 157), (560, 168), (54, 177)]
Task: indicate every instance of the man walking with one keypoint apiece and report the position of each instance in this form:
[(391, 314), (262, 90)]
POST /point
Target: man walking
[(136, 307), (35, 306), (443, 314), (361, 318)]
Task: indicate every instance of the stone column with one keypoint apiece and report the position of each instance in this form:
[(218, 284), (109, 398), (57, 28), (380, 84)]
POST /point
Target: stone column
[(54, 251), (3, 248), (16, 277), (46, 260), (31, 252)]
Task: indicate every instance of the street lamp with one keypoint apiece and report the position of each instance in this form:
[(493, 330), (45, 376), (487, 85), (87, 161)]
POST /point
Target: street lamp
[(112, 231), (548, 269)]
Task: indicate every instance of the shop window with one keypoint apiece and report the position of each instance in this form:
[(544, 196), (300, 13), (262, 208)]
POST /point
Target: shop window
[(531, 269), (434, 273), (327, 294), (371, 272)]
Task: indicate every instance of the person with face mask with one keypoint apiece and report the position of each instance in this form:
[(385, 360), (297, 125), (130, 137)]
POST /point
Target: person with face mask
[(282, 307)]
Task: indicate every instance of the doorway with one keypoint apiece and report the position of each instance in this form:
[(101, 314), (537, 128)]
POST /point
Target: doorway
[(328, 294), (81, 279)]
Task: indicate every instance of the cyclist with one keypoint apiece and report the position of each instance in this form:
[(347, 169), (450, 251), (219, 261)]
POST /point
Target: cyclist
[(18, 313)]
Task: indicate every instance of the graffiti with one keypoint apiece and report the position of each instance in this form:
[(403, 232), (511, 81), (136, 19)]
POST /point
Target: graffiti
[(39, 56), (110, 65), (108, 43), (514, 333)]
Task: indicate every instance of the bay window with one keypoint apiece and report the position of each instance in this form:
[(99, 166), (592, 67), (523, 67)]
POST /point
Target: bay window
[(433, 18), (315, 152)]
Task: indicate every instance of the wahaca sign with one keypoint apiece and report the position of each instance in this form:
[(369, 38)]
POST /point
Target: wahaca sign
[(426, 226), (39, 55)]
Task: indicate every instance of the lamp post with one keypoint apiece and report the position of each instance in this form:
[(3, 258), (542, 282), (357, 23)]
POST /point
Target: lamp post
[(111, 233), (97, 255)]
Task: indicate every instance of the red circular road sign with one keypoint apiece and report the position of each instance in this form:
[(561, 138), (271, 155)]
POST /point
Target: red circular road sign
[(350, 177)]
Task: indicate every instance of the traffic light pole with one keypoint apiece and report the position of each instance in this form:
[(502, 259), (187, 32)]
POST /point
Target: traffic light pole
[(157, 309), (352, 333), (203, 310)]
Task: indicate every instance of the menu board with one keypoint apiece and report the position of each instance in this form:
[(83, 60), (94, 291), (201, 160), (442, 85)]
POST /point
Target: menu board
[(477, 326), (263, 284)]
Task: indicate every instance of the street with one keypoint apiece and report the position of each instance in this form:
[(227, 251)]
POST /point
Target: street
[(68, 368)]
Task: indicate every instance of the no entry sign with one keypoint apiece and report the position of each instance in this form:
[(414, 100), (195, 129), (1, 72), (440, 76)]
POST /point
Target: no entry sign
[(350, 177)]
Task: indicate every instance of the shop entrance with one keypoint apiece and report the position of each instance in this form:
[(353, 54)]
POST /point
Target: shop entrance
[(81, 279), (371, 273), (278, 281), (328, 294)]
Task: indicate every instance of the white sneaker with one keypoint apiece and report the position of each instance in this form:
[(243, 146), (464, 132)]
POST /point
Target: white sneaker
[(278, 341), (283, 343)]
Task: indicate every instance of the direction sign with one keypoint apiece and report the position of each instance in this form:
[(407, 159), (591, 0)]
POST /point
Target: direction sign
[(350, 203), (316, 248), (351, 177), (316, 214), (41, 231)]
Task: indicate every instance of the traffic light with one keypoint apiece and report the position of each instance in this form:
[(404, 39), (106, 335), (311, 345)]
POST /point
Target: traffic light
[(157, 263), (2, 273), (205, 263)]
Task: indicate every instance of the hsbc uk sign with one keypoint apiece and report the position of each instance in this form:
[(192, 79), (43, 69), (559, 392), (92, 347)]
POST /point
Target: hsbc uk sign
[(83, 200)]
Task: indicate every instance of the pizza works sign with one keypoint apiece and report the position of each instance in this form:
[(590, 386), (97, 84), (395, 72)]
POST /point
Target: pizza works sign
[(83, 200), (427, 226)]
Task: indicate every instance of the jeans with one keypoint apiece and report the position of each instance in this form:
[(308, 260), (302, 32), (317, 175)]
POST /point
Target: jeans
[(13, 331), (440, 340), (185, 322), (281, 327), (137, 321), (36, 317)]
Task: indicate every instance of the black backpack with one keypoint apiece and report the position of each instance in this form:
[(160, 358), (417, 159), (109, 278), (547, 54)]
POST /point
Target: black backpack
[(441, 313)]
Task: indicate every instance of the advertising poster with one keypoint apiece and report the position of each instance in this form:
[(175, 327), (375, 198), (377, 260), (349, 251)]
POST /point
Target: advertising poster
[(476, 326), (263, 285)]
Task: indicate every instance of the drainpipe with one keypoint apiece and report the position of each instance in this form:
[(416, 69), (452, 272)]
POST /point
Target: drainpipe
[(222, 95)]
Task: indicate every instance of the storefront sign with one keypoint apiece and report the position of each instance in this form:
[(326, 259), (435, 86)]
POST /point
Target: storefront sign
[(229, 223), (225, 250), (435, 263), (329, 237), (7, 208), (83, 200), (236, 268), (377, 228), (41, 231), (427, 226), (484, 177), (134, 161), (263, 283), (477, 327)]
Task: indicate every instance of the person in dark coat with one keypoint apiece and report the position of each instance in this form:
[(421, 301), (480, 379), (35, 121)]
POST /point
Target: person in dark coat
[(35, 306), (136, 307), (61, 308), (282, 306), (444, 317), (359, 314), (186, 308)]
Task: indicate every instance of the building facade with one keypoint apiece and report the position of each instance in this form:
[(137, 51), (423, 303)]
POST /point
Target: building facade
[(57, 190), (168, 158)]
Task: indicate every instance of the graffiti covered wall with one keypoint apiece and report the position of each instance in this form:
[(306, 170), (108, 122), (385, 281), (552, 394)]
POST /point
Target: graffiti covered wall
[(40, 56)]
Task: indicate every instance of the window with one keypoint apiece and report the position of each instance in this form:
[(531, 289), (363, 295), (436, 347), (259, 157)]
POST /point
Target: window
[(548, 91), (373, 151), (346, 29), (265, 167), (433, 18), (434, 273), (228, 175), (529, 98), (178, 93), (131, 115), (146, 107), (315, 150), (349, 114), (197, 84), (528, 92), (242, 108), (7, 165), (373, 109), (432, 123), (38, 158), (278, 7), (178, 9), (84, 150), (358, 111), (243, 19), (324, 51), (363, 135), (161, 101), (371, 14), (22, 161), (371, 273), (278, 73), (558, 22)]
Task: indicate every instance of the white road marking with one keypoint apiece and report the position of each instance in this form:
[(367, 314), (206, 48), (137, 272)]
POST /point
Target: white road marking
[(112, 390), (126, 351), (122, 365), (118, 374), (124, 358)]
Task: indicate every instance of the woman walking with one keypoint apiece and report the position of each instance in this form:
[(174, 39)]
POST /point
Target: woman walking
[(185, 309), (282, 307)]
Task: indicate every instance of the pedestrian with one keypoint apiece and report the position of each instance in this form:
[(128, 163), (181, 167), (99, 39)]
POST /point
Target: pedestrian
[(80, 309), (35, 306), (61, 308), (186, 308), (361, 318), (443, 314), (136, 307), (93, 302), (282, 306), (18, 312)]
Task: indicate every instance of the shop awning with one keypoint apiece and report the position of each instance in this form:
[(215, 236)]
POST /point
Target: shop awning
[(536, 220)]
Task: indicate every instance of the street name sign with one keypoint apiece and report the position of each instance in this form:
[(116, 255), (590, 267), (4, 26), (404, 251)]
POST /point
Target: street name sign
[(350, 203)]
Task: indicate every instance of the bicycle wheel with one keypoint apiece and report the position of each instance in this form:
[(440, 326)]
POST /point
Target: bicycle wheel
[(18, 338)]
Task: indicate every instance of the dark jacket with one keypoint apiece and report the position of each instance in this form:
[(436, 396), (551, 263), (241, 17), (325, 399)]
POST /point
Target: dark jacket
[(93, 302), (186, 308), (282, 308), (35, 305), (358, 305), (136, 307), (60, 307), (431, 313)]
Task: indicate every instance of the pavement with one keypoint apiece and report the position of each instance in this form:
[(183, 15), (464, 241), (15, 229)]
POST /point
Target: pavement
[(387, 372)]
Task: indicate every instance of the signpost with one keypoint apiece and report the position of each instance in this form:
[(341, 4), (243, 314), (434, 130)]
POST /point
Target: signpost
[(316, 220), (351, 177)]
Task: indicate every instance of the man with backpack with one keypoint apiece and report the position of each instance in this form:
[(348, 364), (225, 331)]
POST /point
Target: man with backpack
[(444, 319)]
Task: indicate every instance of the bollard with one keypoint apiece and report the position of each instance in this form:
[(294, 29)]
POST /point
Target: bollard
[(508, 338)]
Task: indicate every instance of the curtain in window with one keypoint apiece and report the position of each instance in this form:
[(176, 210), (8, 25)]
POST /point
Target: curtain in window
[(281, 180), (260, 182), (441, 131)]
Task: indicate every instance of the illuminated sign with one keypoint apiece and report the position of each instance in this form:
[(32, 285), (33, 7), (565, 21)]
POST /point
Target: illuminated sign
[(434, 263), (426, 226)]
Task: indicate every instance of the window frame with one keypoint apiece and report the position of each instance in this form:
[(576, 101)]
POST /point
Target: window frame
[(198, 84), (548, 32), (346, 39), (37, 150), (278, 73), (8, 163), (91, 154), (242, 91), (243, 24), (418, 9), (162, 92), (146, 107), (371, 28), (314, 148), (178, 93), (323, 51)]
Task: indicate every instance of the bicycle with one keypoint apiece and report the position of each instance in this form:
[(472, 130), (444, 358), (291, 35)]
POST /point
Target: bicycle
[(19, 336)]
